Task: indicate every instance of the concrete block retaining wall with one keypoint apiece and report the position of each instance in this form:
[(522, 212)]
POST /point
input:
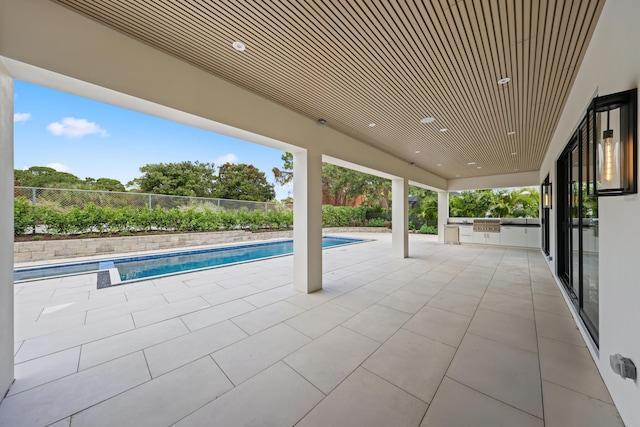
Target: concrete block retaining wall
[(60, 249)]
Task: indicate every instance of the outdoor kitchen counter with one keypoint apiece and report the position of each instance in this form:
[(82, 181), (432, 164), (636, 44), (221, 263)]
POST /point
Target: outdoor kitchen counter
[(513, 232)]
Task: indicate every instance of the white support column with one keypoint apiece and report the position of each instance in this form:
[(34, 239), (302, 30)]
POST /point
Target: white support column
[(443, 213), (400, 217), (6, 230), (307, 222)]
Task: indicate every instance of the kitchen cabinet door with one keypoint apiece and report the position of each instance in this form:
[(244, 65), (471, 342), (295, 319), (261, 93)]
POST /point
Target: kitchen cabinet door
[(466, 233), (534, 238), (513, 236), (493, 239), (485, 238)]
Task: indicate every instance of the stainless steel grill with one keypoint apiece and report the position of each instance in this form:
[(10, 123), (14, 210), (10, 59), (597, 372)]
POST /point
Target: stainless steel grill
[(486, 225)]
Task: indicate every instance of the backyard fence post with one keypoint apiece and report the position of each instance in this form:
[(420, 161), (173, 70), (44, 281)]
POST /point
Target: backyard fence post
[(33, 208), (266, 208), (150, 202), (218, 205)]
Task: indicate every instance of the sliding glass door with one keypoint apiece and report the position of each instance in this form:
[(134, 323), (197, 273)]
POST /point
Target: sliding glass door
[(577, 230)]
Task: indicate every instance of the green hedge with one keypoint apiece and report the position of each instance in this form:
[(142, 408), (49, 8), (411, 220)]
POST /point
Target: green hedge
[(94, 219), (343, 216), (91, 218), (428, 229)]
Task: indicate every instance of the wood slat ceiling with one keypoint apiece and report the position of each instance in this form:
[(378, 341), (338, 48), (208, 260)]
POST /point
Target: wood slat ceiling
[(355, 62)]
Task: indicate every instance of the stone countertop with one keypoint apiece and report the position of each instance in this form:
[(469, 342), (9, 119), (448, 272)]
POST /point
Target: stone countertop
[(507, 222)]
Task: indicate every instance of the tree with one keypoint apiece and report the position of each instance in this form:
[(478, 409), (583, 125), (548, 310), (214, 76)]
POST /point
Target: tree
[(471, 204), (500, 203), (340, 184), (243, 182), (107, 184), (177, 179), (516, 203), (42, 176), (377, 191), (285, 175)]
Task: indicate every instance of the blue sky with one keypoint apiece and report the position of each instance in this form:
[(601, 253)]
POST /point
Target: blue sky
[(92, 139)]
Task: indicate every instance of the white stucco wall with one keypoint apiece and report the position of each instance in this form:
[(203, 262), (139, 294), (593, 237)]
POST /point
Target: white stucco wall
[(6, 231), (611, 64)]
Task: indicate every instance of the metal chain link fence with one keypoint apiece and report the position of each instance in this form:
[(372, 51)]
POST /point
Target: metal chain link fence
[(63, 200)]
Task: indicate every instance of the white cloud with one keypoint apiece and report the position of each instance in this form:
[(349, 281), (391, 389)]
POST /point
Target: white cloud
[(75, 128), (59, 167), (21, 117), (227, 158)]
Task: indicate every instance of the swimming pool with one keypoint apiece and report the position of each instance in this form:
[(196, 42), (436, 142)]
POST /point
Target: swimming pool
[(119, 270)]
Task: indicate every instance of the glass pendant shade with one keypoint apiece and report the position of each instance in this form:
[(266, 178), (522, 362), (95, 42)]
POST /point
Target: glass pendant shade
[(613, 125)]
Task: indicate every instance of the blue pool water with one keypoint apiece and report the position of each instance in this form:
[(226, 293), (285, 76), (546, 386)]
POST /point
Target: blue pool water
[(135, 268)]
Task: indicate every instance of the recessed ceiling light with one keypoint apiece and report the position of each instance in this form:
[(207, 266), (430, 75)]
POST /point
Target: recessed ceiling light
[(239, 46), (417, 151), (471, 163), (504, 80), (478, 167), (444, 130), (426, 120), (457, 176), (511, 133), (514, 153), (371, 125), (439, 164), (516, 169)]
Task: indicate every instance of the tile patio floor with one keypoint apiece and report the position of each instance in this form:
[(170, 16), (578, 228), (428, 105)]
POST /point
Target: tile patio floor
[(453, 336)]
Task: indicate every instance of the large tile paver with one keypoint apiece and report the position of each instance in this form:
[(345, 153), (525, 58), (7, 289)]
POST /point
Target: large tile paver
[(406, 301), (368, 340), (265, 317), (176, 309), (364, 399), (137, 339), (456, 405), (244, 359), (567, 408), (500, 371), (326, 361), (377, 322), (227, 295), (276, 397), (73, 337), (215, 314), (140, 304), (179, 351), (507, 304), (358, 299), (572, 367), (45, 369), (26, 330), (456, 303), (412, 362), (320, 320), (162, 401), (558, 328), (440, 325), (505, 328), (59, 399)]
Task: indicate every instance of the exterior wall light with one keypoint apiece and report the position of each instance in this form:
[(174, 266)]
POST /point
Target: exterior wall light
[(613, 124), (546, 195)]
